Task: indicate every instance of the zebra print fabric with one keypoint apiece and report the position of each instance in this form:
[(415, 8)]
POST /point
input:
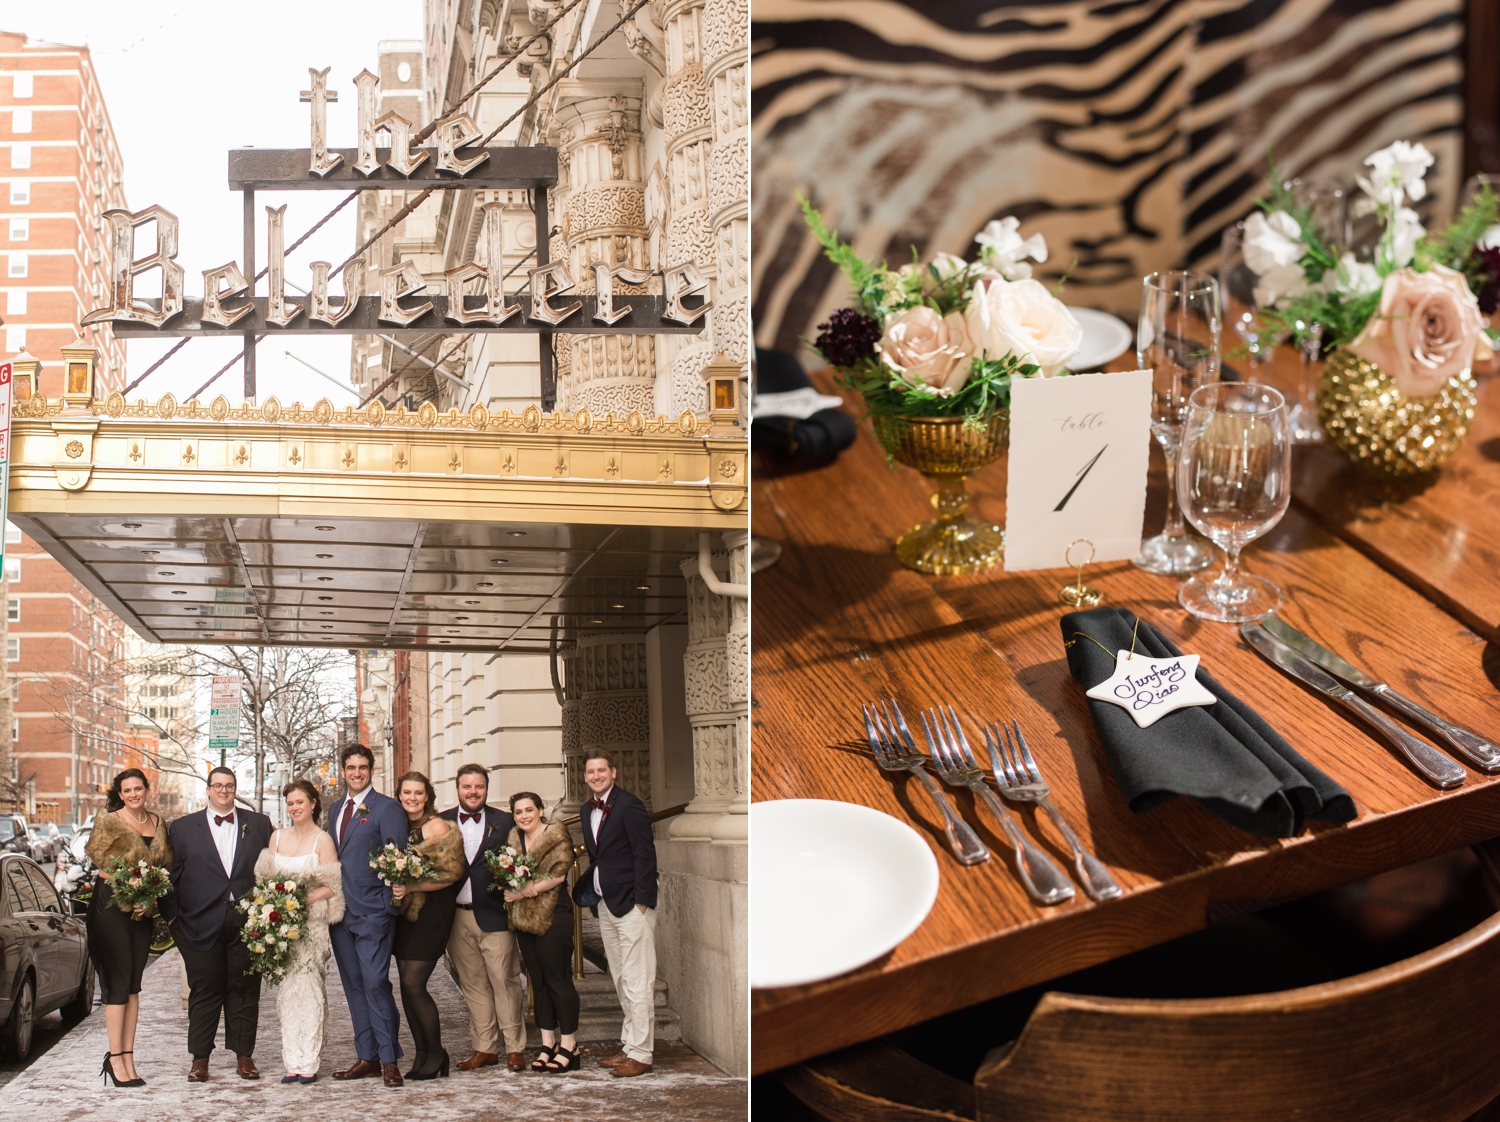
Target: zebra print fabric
[(1129, 132)]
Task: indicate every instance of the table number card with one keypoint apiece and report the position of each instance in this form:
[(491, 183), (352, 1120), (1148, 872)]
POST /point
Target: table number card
[(1079, 451)]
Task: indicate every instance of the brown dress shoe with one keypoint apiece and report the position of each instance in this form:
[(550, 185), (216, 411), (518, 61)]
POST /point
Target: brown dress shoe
[(359, 1069), (198, 1073), (516, 1061), (392, 1075), (614, 1059), (478, 1060), (631, 1067), (247, 1069)]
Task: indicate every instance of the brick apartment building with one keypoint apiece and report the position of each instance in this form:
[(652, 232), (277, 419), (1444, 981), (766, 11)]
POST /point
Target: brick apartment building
[(60, 169)]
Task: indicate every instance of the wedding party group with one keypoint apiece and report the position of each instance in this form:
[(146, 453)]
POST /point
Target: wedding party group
[(380, 878)]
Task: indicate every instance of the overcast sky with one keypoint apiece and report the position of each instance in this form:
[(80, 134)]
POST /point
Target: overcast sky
[(184, 83)]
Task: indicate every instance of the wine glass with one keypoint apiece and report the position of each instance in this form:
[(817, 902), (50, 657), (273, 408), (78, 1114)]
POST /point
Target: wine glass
[(1178, 338), (1237, 284), (1234, 483), (1326, 203)]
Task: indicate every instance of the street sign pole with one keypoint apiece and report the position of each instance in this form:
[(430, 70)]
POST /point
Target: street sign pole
[(225, 702)]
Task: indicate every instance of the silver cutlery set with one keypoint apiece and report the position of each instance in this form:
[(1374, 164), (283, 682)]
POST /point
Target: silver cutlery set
[(1313, 664), (1017, 778)]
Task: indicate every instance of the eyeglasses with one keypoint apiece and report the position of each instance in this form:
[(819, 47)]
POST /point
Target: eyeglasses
[(221, 786)]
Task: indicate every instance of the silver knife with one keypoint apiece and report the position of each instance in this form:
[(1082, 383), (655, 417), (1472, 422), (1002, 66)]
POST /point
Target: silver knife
[(1426, 760), (1481, 753)]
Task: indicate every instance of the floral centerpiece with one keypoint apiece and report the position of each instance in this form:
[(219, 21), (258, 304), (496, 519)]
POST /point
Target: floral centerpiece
[(1397, 395), (275, 912), (511, 869), (931, 348), (141, 884), (395, 865)]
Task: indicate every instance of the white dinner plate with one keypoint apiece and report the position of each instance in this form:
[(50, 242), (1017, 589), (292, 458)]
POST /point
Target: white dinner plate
[(1104, 337), (832, 887)]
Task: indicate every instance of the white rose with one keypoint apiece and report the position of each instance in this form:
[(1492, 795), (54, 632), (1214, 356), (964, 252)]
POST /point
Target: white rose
[(1282, 282), (1023, 318), (1271, 241), (927, 348), (1003, 249), (284, 929)]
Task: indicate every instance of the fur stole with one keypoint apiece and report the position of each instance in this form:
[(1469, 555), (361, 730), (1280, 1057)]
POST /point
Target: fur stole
[(554, 857), (328, 911), (112, 837), (446, 852)]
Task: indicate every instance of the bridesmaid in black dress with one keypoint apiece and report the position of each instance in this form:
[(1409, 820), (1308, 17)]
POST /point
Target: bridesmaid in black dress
[(426, 915), (120, 941)]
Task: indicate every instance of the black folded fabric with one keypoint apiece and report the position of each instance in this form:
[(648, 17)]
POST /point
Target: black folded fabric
[(1225, 755)]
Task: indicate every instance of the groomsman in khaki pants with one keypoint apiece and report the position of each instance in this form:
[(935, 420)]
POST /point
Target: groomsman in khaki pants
[(483, 950), (622, 855)]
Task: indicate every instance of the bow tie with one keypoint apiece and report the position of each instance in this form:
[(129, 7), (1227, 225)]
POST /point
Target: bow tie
[(219, 820), (599, 804), (465, 816)]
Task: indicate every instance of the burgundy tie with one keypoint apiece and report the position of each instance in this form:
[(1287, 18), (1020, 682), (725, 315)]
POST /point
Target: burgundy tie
[(348, 814), (220, 820), (465, 816)]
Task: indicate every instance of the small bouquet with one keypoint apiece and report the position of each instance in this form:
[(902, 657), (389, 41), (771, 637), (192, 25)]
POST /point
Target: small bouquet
[(395, 865), (945, 338), (511, 869), (1413, 310), (140, 884), (274, 914)]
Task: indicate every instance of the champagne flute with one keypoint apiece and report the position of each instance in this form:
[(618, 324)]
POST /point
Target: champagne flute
[(1234, 483), (1178, 338)]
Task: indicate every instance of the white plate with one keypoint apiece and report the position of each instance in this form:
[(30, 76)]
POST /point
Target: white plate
[(1104, 337), (832, 887)]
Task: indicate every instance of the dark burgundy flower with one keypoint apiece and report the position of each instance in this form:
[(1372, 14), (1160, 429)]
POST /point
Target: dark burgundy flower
[(1489, 291), (847, 337)]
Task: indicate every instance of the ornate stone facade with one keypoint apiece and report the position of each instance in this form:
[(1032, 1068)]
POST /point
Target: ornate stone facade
[(726, 71), (605, 705)]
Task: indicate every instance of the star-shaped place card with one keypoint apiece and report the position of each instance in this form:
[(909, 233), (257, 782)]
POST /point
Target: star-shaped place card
[(1150, 688)]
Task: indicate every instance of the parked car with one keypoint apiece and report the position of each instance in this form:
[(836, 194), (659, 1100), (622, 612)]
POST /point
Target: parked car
[(44, 957), (14, 837), (45, 841)]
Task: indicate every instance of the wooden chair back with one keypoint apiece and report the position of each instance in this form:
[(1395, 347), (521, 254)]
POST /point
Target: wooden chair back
[(1418, 1041)]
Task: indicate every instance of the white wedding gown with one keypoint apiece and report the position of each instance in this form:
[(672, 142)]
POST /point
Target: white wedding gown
[(301, 1001)]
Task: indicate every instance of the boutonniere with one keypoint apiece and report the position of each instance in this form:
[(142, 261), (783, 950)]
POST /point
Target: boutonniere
[(244, 828)]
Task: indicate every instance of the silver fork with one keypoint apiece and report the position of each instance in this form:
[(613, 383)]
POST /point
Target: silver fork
[(1019, 779), (886, 744), (956, 764)]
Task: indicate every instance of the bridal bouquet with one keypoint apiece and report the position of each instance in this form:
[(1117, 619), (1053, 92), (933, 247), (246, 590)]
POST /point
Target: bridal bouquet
[(140, 884), (1412, 310), (394, 865), (945, 338), (274, 914), (510, 868)]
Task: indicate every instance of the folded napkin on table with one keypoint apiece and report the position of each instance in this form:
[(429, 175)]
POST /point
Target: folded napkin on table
[(1225, 755)]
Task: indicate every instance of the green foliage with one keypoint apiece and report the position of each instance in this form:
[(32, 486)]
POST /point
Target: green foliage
[(1454, 247)]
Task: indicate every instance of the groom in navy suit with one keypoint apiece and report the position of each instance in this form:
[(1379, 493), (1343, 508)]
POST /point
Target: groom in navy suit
[(361, 822)]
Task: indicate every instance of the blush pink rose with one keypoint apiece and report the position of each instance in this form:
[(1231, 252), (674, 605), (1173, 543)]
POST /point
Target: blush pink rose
[(927, 347), (1427, 329)]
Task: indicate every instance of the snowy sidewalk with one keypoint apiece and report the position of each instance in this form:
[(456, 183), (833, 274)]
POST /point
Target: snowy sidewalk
[(65, 1084)]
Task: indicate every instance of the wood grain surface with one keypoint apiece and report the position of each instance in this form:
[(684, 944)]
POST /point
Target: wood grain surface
[(838, 622)]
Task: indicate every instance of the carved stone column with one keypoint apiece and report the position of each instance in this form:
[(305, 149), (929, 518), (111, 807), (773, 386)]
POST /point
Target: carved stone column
[(605, 705), (687, 116), (604, 219), (726, 54), (717, 668)]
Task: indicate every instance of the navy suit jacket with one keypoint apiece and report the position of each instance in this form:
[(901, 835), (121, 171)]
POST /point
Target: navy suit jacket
[(383, 820), (200, 887), (489, 907), (625, 852)]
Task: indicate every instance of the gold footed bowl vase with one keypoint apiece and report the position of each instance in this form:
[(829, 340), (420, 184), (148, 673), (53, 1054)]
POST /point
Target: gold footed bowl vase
[(948, 452), (1383, 432)]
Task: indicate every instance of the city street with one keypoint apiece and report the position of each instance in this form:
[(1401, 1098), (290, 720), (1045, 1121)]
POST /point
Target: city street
[(64, 1082)]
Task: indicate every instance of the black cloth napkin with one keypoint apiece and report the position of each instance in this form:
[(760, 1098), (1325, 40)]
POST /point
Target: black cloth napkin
[(1225, 755)]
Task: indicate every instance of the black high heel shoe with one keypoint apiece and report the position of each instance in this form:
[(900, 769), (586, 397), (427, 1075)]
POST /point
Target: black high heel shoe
[(418, 1062), (430, 1067), (573, 1062), (543, 1057), (108, 1071)]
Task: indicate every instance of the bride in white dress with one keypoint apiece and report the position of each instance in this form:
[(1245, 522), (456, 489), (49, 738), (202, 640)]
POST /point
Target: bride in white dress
[(307, 853)]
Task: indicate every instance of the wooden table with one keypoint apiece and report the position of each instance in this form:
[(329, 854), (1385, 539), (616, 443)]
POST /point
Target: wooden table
[(837, 621)]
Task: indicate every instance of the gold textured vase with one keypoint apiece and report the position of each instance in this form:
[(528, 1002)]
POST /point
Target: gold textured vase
[(1379, 429), (947, 451)]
